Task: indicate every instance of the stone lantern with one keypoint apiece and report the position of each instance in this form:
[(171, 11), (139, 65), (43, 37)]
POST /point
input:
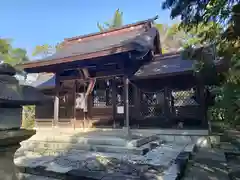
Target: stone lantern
[(12, 97)]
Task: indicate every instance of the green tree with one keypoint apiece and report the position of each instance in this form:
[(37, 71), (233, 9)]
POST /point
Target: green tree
[(28, 117), (12, 55), (172, 39), (216, 23), (115, 22), (42, 51)]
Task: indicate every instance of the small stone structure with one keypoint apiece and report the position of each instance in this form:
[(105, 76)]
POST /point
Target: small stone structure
[(12, 97)]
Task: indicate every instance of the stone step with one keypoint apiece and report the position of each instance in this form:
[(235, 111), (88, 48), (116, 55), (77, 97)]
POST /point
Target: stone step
[(67, 141), (54, 147), (102, 140)]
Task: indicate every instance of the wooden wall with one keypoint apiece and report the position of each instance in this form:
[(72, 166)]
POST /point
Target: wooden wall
[(107, 116)]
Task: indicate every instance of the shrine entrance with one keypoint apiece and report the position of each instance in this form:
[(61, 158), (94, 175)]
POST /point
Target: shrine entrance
[(97, 102)]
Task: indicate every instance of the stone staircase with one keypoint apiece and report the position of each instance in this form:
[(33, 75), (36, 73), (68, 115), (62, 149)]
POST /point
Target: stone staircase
[(89, 142)]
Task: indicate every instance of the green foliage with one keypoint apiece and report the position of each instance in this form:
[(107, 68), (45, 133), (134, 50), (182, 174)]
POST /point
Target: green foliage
[(215, 24), (171, 38), (174, 37), (42, 51), (12, 55), (28, 118), (115, 22)]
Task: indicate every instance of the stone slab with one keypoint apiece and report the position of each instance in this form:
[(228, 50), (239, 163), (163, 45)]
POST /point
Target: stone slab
[(32, 161), (141, 141), (213, 154), (228, 147), (182, 139), (203, 172), (81, 174), (24, 176), (190, 147), (164, 154), (15, 136), (207, 164), (55, 167), (40, 146)]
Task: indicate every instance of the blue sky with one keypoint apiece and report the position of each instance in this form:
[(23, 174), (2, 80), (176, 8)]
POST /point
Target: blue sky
[(35, 22)]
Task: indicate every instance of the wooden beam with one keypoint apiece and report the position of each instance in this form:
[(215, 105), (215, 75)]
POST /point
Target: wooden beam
[(110, 72), (83, 57)]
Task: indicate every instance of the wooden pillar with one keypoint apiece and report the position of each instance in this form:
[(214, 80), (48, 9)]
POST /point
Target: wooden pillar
[(202, 104), (166, 103), (137, 101), (56, 101), (114, 101), (126, 105), (73, 122)]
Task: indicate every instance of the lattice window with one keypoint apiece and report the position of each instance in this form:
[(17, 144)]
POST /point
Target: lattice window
[(184, 98), (152, 104), (102, 93)]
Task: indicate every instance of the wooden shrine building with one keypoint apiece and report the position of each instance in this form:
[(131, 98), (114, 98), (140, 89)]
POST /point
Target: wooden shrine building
[(119, 78)]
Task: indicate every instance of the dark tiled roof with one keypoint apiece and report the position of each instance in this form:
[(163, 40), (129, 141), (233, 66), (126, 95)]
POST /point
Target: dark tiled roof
[(44, 81), (111, 30), (95, 45), (172, 63), (133, 37), (162, 65), (137, 39), (20, 95), (167, 64)]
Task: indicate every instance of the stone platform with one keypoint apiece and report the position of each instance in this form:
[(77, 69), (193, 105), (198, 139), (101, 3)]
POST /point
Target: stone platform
[(104, 155), (167, 160)]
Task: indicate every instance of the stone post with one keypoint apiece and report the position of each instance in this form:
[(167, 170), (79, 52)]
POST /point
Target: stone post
[(12, 97), (56, 111)]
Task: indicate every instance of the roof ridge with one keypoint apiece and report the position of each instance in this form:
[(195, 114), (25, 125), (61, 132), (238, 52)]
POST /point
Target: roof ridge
[(112, 30)]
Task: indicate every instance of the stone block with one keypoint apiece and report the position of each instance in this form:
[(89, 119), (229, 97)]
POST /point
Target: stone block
[(204, 142), (10, 118), (166, 138), (141, 141), (215, 140), (24, 176), (211, 154), (32, 161), (182, 139), (54, 167), (190, 148), (207, 170), (85, 174), (113, 141), (154, 144)]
